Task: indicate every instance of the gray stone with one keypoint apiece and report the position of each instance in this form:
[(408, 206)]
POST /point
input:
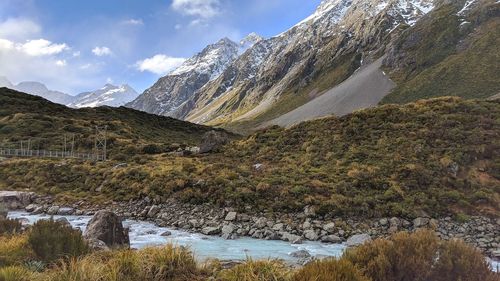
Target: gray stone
[(261, 222), (331, 239), (13, 200), (294, 239), (358, 239), (329, 227), (231, 216), (309, 211), (228, 228), (210, 230), (383, 222), (31, 207), (166, 233), (65, 211), (278, 227), (213, 141), (300, 254), (153, 211), (97, 245), (420, 222), (311, 235), (63, 221), (53, 210), (107, 227)]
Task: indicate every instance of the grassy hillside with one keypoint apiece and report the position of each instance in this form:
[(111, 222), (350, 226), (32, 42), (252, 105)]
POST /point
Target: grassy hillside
[(439, 157), (448, 55), (24, 117)]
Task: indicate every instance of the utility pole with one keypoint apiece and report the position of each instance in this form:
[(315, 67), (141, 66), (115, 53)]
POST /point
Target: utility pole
[(100, 143)]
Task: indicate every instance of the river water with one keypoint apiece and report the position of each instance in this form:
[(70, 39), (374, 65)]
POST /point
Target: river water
[(144, 234)]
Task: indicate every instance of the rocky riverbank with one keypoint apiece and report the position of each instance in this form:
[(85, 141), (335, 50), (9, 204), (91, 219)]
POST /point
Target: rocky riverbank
[(481, 232)]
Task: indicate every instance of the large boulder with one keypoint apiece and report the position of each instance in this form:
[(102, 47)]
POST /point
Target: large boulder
[(213, 141), (107, 227), (13, 200)]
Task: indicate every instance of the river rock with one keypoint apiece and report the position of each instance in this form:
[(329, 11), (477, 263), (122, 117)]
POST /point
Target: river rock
[(261, 222), (228, 228), (231, 216), (213, 141), (420, 222), (31, 207), (329, 227), (358, 239), (65, 211), (309, 211), (13, 200), (166, 233), (331, 239), (301, 254), (63, 221), (153, 211), (210, 230), (294, 239), (107, 227), (311, 235), (53, 210)]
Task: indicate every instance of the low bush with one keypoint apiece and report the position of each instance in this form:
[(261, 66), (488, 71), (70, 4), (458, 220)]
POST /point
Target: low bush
[(51, 240), (420, 256), (9, 226)]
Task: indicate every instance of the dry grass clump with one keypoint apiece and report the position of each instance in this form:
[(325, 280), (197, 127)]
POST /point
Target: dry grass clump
[(15, 273), (331, 269), (14, 250), (256, 271)]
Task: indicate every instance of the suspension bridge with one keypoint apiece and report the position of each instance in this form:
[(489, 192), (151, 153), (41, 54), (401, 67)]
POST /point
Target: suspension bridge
[(24, 149)]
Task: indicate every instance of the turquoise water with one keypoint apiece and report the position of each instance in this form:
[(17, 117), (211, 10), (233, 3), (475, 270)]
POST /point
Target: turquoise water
[(144, 234)]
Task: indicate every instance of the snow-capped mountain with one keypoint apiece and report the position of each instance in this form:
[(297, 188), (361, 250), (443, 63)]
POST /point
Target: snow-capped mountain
[(171, 91), (340, 33), (39, 89), (109, 95)]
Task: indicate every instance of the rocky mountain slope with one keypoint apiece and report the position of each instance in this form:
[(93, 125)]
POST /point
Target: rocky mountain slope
[(454, 52), (280, 74), (109, 95), (173, 90)]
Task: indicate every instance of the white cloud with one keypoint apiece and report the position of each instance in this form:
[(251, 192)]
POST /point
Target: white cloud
[(159, 64), (101, 51), (133, 22), (200, 8), (76, 54), (18, 29), (34, 48), (42, 47), (61, 63)]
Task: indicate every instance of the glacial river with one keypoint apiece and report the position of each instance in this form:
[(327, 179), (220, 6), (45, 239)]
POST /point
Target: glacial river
[(144, 234)]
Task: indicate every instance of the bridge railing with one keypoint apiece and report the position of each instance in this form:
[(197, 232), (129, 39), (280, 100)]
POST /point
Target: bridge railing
[(12, 152)]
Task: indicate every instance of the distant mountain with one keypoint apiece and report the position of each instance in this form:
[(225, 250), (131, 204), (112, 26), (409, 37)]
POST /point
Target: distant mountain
[(171, 91), (109, 95), (39, 89)]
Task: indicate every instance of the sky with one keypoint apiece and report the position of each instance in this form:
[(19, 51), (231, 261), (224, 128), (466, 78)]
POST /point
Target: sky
[(76, 46)]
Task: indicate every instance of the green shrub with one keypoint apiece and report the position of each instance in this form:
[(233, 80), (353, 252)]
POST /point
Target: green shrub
[(329, 270), (9, 226), (420, 256), (51, 240)]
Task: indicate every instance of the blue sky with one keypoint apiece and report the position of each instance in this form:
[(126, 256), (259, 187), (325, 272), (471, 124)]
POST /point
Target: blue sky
[(74, 46)]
